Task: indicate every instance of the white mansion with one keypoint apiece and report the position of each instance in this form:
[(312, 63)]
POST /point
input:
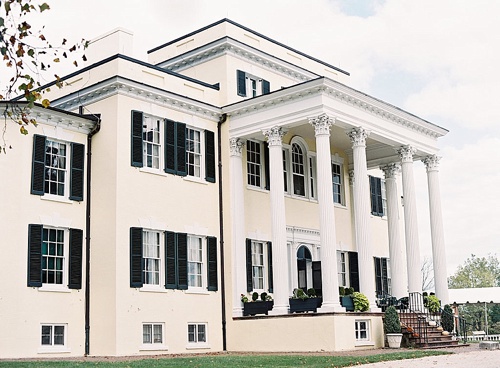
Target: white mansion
[(154, 194)]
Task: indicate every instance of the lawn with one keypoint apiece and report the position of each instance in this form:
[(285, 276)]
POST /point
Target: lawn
[(229, 361)]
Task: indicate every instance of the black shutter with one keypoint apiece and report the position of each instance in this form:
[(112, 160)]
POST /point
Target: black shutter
[(180, 141), (242, 88), (209, 156), (136, 260), (385, 282), (170, 261), (373, 195), (77, 163), (38, 165), (75, 258), (317, 281), (212, 263), (136, 155), (266, 87), (170, 147), (378, 277), (266, 166), (353, 270), (182, 261), (35, 255), (270, 266), (249, 265), (380, 207)]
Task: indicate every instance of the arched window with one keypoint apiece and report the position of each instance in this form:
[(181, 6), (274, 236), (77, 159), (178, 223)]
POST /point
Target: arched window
[(298, 170)]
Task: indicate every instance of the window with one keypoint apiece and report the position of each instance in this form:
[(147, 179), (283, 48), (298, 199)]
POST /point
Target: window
[(337, 183), (298, 171), (342, 268), (54, 257), (57, 168), (152, 333), (53, 335), (197, 333), (377, 196), (312, 176), (259, 265), (251, 86), (170, 146), (155, 252), (285, 170), (254, 163), (362, 330), (193, 152), (152, 257), (382, 277), (195, 261), (151, 141)]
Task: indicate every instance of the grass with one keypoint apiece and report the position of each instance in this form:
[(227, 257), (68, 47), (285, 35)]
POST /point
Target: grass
[(230, 361)]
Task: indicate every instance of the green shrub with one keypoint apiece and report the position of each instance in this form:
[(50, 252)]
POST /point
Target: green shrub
[(433, 303), (349, 291), (447, 318), (391, 321), (361, 303), (255, 296), (299, 294), (263, 296), (341, 291), (311, 293)]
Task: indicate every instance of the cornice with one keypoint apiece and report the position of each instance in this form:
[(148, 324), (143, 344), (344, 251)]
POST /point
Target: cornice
[(140, 91), (55, 117), (341, 93), (228, 45)]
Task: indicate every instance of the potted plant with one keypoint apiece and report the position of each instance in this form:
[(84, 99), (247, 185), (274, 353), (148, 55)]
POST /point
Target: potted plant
[(257, 306), (311, 293), (361, 302), (392, 327), (301, 302), (447, 319), (346, 298), (433, 304)]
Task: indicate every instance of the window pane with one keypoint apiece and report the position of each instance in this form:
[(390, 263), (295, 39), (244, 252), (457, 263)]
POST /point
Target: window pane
[(192, 333), (58, 335), (158, 338), (46, 335), (146, 334), (201, 333)]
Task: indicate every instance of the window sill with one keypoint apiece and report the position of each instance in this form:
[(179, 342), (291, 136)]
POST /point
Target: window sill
[(153, 347), (153, 171), (257, 189), (55, 198), (364, 343), (53, 350), (151, 289), (195, 180), (340, 206), (198, 346), (301, 198), (54, 289)]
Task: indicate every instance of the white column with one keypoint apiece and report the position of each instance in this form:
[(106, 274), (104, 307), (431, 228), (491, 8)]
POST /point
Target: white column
[(329, 277), (399, 283), (411, 222), (238, 225), (437, 233), (362, 215), (278, 220)]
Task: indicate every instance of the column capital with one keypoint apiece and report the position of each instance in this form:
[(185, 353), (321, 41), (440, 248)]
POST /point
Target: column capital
[(391, 170), (274, 135), (322, 124), (351, 177), (235, 146), (406, 153), (431, 162), (358, 136)]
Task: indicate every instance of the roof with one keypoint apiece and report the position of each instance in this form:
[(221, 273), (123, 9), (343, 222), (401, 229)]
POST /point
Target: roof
[(475, 295)]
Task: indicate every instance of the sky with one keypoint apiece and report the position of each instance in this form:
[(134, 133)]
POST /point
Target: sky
[(437, 59)]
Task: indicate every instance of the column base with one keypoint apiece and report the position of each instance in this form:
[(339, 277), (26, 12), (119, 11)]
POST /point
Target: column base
[(279, 310), (238, 312), (332, 307)]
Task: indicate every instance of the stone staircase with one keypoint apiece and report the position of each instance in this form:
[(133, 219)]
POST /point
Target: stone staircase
[(418, 333)]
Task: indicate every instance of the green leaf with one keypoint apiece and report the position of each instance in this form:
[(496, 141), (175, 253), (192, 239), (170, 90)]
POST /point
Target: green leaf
[(7, 8), (43, 7), (1, 22)]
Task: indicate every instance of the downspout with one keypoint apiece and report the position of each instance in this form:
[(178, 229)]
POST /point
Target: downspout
[(222, 119), (87, 233)]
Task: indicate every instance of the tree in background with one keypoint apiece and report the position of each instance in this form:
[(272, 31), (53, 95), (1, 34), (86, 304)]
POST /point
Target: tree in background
[(27, 54), (427, 270), (476, 272)]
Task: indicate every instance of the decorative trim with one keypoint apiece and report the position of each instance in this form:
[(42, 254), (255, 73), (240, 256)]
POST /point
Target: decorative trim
[(358, 136), (322, 124), (431, 162), (351, 177), (390, 170), (406, 153), (274, 135), (127, 87), (296, 235), (235, 146)]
